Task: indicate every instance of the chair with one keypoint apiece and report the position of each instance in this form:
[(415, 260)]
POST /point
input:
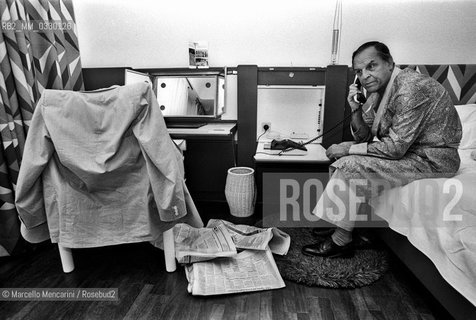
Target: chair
[(99, 168)]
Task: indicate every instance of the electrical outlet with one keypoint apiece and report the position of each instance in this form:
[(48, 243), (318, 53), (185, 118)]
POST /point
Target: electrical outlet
[(267, 123)]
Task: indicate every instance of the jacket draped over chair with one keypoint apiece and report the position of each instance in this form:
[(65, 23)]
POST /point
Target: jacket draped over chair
[(99, 168)]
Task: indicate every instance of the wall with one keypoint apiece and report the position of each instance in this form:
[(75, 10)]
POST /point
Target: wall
[(149, 33), (291, 112), (155, 34)]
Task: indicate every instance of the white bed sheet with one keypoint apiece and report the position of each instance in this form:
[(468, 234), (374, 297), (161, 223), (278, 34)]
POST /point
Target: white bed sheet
[(421, 210)]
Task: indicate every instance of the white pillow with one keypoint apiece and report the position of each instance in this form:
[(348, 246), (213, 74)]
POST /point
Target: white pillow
[(467, 114)]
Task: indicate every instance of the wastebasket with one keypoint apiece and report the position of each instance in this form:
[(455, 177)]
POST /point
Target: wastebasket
[(240, 191)]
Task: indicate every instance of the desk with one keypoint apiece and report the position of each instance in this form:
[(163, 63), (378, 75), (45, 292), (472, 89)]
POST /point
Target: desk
[(209, 152), (315, 154), (213, 131), (296, 165)]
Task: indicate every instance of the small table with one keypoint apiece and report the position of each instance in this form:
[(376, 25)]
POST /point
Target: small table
[(315, 154), (294, 165)]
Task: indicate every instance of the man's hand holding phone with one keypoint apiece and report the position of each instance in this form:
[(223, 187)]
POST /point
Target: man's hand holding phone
[(355, 98)]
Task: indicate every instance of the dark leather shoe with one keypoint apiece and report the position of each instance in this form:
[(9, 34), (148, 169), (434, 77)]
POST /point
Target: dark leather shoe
[(328, 249)]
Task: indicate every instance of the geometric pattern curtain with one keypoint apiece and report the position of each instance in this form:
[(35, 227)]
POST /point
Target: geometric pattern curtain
[(458, 79), (38, 50)]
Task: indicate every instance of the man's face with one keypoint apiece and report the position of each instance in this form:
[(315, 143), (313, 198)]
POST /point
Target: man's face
[(373, 72)]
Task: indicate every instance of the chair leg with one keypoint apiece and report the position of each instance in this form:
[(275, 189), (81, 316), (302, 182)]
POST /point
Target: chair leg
[(66, 259), (169, 250)]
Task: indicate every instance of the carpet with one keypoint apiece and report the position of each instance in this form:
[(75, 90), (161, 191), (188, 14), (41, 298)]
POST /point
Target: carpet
[(367, 265)]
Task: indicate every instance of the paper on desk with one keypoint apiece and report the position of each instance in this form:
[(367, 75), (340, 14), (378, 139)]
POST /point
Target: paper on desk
[(250, 270)]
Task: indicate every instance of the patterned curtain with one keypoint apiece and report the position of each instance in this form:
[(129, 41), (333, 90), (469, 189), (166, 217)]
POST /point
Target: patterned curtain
[(458, 79), (38, 50)]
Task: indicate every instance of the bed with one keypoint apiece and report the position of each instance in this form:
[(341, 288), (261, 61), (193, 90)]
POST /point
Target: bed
[(432, 222)]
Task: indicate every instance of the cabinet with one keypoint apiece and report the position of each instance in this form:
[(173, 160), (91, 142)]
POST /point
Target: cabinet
[(209, 152), (336, 79), (288, 186)]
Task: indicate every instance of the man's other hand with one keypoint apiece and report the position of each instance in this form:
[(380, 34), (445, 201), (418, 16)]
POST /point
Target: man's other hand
[(340, 150)]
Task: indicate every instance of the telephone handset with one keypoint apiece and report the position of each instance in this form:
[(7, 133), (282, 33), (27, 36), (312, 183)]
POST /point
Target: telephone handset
[(359, 97)]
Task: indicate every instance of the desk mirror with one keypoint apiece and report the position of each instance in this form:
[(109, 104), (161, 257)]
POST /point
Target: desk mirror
[(191, 95)]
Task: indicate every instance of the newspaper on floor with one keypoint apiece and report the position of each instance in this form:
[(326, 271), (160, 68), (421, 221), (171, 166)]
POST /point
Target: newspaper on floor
[(201, 244), (250, 270), (254, 238)]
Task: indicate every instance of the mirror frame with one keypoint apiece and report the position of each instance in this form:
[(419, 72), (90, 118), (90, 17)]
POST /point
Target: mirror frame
[(218, 74)]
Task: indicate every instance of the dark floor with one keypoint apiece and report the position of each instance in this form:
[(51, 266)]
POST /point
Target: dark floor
[(147, 291)]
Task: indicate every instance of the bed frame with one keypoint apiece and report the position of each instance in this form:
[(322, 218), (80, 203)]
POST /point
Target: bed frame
[(424, 269), (460, 82)]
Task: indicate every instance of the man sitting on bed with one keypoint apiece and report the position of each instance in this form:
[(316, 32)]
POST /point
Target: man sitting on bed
[(407, 129)]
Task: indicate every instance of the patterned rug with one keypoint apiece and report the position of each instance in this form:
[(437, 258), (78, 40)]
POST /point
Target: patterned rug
[(367, 265)]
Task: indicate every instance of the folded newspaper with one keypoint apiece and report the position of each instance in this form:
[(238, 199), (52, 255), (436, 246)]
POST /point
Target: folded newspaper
[(221, 238), (250, 270), (249, 237), (213, 264), (201, 244)]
